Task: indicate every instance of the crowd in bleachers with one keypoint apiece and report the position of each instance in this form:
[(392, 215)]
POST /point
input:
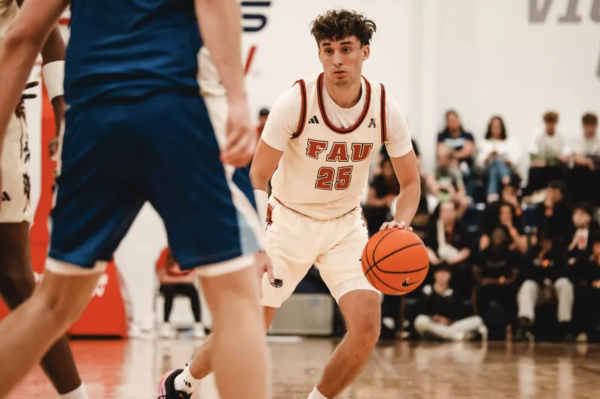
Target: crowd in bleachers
[(507, 255)]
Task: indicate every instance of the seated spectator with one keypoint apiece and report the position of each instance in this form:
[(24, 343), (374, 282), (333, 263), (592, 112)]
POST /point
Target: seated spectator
[(588, 287), (263, 115), (554, 215), (546, 269), (420, 222), (507, 217), (439, 311), (549, 158), (585, 176), (447, 183), (491, 215), (447, 242), (462, 142), (498, 156), (384, 189), (585, 228), (495, 272), (173, 282)]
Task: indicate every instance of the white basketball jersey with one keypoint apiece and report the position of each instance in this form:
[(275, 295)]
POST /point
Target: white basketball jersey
[(8, 13), (325, 169)]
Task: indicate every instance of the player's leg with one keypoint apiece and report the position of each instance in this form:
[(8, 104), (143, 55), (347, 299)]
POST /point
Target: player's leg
[(212, 224), (52, 309), (96, 203), (359, 302), (201, 366), (362, 313), (239, 363), (17, 284)]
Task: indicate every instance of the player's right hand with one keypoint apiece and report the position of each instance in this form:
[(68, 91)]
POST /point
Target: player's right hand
[(241, 136), (264, 265)]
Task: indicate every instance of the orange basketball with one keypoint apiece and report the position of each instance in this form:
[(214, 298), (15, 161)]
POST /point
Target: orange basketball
[(395, 261)]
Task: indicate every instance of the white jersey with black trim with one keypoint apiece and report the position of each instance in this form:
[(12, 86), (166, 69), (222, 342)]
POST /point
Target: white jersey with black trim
[(327, 149)]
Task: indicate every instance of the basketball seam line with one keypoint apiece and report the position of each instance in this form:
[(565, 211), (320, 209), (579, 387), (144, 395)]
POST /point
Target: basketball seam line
[(388, 255)]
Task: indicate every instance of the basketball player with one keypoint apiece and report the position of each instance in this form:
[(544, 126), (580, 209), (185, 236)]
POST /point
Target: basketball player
[(319, 140), (138, 129), (16, 213)]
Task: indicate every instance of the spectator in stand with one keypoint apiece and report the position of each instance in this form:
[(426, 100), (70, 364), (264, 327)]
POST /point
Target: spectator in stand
[(496, 272), (588, 284), (491, 215), (546, 269), (173, 282), (263, 115), (550, 156), (585, 176), (447, 183), (440, 311), (555, 215), (507, 217), (498, 156), (462, 142), (384, 189), (447, 242), (585, 228), (420, 222)]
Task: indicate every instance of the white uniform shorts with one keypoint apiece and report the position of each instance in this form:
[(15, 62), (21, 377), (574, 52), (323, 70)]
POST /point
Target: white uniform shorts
[(295, 242), (16, 186)]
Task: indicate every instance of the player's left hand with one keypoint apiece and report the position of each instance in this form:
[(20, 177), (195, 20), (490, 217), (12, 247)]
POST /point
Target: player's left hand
[(264, 265), (394, 225)]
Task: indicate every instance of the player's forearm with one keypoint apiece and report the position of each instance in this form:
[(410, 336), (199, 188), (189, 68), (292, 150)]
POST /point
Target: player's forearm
[(54, 48), (408, 202), (221, 29)]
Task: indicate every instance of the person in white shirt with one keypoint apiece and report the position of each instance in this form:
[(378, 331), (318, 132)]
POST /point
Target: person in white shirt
[(585, 175), (498, 156), (319, 140), (549, 157)]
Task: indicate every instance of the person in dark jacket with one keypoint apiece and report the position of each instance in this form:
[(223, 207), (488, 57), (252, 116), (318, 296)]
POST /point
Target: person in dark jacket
[(495, 272), (439, 311), (546, 268)]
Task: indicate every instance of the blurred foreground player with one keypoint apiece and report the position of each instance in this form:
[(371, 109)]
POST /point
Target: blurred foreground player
[(17, 281), (321, 136), (137, 130)]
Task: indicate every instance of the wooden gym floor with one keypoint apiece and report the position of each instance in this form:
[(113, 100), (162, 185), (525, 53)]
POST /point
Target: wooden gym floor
[(131, 369)]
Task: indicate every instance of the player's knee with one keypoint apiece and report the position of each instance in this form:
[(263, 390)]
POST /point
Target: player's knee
[(366, 329), (16, 286)]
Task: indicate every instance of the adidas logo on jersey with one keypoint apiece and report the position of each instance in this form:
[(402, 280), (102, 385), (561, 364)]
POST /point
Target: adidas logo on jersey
[(314, 120), (372, 124), (5, 197)]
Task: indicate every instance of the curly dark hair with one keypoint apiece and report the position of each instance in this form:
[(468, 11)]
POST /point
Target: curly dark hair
[(338, 24)]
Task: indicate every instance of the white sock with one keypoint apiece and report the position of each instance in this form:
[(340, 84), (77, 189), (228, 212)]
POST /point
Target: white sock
[(185, 382), (315, 394), (78, 393)]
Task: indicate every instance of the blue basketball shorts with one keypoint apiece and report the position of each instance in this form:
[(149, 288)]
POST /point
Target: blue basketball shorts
[(163, 149)]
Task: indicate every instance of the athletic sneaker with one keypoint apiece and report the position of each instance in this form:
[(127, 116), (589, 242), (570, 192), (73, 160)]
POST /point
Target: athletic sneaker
[(166, 388)]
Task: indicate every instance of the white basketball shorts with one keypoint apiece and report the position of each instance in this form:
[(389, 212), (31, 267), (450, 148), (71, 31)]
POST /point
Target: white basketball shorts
[(16, 186), (295, 242)]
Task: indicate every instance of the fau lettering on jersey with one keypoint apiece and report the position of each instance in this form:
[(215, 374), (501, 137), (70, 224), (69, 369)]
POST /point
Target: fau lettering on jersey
[(325, 168)]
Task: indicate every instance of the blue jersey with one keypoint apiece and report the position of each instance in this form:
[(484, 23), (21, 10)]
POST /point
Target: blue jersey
[(126, 49)]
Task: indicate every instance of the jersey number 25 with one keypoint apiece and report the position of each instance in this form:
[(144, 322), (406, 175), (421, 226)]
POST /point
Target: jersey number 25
[(327, 175)]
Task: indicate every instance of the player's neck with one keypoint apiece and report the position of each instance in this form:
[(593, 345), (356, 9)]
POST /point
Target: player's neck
[(345, 96)]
